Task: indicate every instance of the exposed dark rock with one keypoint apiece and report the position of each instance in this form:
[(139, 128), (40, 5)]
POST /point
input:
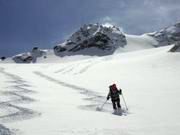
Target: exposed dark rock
[(99, 37), (35, 48), (3, 58), (23, 58), (29, 57), (175, 48), (167, 36), (59, 49)]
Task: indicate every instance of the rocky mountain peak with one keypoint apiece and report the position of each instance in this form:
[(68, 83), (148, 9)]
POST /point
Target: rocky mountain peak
[(92, 38), (167, 36)]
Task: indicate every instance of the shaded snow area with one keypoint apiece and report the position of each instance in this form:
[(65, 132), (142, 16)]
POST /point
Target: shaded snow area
[(62, 99)]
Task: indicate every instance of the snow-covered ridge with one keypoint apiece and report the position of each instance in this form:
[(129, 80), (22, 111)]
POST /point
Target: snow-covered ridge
[(168, 35), (29, 57), (98, 40)]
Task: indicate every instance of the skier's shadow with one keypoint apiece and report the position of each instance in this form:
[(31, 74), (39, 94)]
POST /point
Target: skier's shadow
[(106, 109)]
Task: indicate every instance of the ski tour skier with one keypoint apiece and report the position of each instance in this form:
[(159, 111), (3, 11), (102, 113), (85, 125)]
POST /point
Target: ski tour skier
[(114, 95)]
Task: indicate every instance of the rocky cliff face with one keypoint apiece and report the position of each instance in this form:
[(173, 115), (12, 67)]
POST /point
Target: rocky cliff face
[(92, 39), (29, 57), (175, 48), (167, 36)]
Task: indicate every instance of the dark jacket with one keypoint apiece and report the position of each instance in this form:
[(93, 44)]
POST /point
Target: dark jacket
[(114, 95)]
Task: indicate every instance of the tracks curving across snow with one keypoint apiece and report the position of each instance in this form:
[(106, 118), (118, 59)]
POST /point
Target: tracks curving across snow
[(76, 68), (5, 131), (14, 95), (94, 97)]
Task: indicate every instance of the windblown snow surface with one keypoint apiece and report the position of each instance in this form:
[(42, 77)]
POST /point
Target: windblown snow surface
[(61, 99)]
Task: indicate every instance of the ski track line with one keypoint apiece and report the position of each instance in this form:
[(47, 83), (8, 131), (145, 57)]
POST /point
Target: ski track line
[(85, 68), (90, 95), (5, 131), (94, 132), (95, 98), (66, 69), (17, 85), (71, 67)]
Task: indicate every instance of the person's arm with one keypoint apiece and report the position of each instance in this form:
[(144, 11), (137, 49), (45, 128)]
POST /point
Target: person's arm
[(108, 96), (120, 91)]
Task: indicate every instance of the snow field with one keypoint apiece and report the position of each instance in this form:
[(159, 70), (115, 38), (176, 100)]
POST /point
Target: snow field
[(67, 94)]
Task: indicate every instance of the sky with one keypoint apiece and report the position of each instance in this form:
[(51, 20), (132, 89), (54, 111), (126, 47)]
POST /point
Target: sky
[(45, 23)]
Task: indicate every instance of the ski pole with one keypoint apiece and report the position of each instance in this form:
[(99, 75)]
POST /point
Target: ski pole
[(103, 104), (124, 101), (100, 108)]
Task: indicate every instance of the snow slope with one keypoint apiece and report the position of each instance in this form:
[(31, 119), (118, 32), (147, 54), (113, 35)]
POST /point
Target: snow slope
[(55, 99), (139, 42)]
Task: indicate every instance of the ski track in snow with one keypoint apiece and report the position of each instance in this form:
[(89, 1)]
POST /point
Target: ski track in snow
[(15, 96), (70, 68), (5, 131), (95, 98), (84, 69), (93, 132), (66, 69)]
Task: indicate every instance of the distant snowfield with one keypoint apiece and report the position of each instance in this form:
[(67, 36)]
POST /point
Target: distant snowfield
[(139, 42), (61, 99)]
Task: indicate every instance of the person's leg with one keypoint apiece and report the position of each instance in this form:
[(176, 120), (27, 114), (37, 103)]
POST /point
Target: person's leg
[(118, 103), (114, 105)]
